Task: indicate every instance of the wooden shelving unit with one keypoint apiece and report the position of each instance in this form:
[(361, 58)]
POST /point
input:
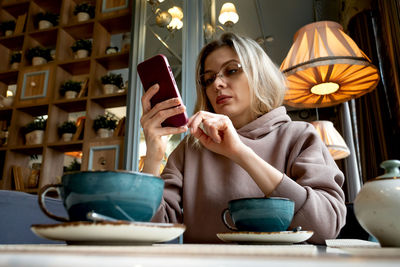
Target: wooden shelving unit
[(111, 18)]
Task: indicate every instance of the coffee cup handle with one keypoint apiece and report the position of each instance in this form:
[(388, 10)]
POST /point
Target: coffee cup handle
[(42, 199), (230, 227)]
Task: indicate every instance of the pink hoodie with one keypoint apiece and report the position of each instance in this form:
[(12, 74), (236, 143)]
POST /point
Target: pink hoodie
[(200, 183)]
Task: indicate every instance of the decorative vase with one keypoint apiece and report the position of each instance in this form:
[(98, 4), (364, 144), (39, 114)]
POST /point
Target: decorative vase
[(104, 133), (70, 94), (34, 137), (6, 101), (82, 16), (66, 137), (81, 53), (38, 61), (111, 50), (109, 88), (3, 137), (45, 24), (377, 205), (9, 33), (14, 65), (126, 41)]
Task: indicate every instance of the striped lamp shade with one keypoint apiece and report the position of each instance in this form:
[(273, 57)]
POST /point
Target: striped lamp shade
[(325, 67), (332, 139)]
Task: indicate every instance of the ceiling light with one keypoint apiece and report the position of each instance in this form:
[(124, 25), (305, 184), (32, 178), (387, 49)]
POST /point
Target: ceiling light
[(228, 15), (177, 16)]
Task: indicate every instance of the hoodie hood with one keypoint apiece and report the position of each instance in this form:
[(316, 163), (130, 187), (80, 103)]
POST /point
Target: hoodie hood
[(265, 124)]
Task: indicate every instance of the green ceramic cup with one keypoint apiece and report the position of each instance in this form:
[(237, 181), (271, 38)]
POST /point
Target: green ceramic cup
[(259, 214), (121, 195)]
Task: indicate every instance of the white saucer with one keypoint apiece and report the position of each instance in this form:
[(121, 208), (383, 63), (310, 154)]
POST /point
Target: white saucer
[(285, 237), (110, 233)]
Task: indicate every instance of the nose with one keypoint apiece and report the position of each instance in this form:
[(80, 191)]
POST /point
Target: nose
[(219, 82)]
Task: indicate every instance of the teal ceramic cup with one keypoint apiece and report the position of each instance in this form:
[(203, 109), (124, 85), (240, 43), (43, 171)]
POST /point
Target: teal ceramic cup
[(121, 195), (259, 214)]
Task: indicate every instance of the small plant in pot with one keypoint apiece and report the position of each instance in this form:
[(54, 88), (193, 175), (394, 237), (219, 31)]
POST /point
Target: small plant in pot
[(38, 55), (7, 27), (15, 59), (73, 166), (66, 130), (70, 89), (104, 125), (46, 20), (84, 11), (112, 82), (111, 50), (82, 48), (34, 131)]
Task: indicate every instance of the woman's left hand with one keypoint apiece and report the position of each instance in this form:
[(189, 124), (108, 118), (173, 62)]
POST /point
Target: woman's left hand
[(217, 133)]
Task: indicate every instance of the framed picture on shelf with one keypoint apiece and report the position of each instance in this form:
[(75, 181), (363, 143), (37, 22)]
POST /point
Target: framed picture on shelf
[(104, 157), (113, 5), (35, 85)]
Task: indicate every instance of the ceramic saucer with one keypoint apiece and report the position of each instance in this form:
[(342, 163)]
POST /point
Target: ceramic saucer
[(109, 233), (285, 237)]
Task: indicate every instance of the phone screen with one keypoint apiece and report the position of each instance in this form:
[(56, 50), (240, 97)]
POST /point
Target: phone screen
[(157, 70)]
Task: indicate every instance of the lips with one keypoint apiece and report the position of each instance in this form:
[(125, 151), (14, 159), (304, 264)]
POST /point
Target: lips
[(222, 99)]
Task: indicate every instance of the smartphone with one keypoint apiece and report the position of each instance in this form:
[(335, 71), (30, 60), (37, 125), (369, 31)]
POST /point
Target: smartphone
[(157, 70)]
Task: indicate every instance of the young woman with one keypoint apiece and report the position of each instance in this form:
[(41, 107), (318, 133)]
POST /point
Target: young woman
[(241, 144)]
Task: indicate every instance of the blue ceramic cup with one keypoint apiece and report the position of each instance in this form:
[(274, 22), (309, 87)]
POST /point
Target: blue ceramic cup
[(121, 195), (259, 214)]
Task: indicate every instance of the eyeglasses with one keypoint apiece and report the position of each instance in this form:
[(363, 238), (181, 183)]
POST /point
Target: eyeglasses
[(228, 71)]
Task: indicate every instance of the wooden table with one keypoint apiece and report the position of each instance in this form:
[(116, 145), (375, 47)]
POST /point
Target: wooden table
[(229, 255)]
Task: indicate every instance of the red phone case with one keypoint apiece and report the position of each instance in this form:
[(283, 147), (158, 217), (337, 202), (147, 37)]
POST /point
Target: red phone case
[(157, 70)]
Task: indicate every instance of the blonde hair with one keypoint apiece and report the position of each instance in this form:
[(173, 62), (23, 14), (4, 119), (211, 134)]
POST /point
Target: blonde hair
[(266, 81)]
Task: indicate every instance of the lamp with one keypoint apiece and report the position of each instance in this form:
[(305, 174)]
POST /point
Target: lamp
[(228, 15), (332, 139), (325, 67)]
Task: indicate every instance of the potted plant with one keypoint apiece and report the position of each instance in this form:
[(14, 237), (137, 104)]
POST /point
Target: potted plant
[(38, 55), (111, 50), (84, 11), (73, 166), (66, 130), (104, 125), (34, 131), (70, 89), (15, 60), (82, 48), (7, 27), (112, 82), (46, 20)]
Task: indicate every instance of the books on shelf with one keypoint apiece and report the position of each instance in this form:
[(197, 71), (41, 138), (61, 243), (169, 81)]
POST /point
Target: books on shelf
[(18, 178), (84, 87), (120, 129), (20, 24), (80, 124)]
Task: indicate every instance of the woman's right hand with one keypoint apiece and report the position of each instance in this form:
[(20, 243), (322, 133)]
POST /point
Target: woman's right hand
[(156, 136)]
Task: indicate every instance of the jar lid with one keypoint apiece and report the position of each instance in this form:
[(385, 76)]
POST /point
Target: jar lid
[(391, 168)]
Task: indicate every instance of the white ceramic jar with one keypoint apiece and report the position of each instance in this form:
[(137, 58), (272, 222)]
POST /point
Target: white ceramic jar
[(38, 61), (109, 89), (45, 24), (377, 205), (83, 16), (35, 137)]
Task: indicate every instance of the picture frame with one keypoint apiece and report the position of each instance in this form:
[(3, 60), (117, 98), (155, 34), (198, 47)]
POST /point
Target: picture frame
[(35, 85), (104, 157), (113, 5)]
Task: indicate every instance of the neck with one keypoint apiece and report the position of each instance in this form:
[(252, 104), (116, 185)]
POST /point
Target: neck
[(242, 119)]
